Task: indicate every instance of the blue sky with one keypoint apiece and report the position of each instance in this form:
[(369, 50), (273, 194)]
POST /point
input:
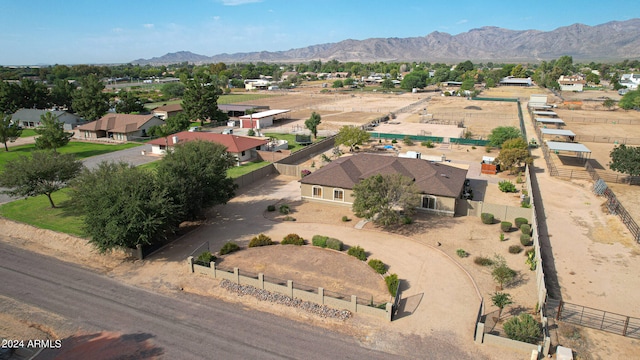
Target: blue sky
[(116, 31)]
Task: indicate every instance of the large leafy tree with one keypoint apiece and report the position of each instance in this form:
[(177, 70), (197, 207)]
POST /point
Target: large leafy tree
[(630, 100), (200, 100), (9, 131), (172, 125), (51, 133), (129, 103), (312, 123), (513, 154), (379, 197), (195, 176), (503, 133), (10, 97), (62, 94), (625, 159), (89, 101), (123, 206), (351, 136), (173, 90), (34, 95), (42, 173)]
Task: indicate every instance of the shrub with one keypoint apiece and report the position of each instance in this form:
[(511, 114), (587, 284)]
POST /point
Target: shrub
[(406, 220), (407, 141), (358, 252), (525, 239), (288, 218), (515, 249), (260, 240), (334, 244), (271, 208), (205, 258), (292, 239), (505, 226), (526, 229), (284, 209), (306, 172), (482, 261), (487, 218), (251, 132), (319, 240), (229, 247), (394, 141), (378, 266), (520, 221), (501, 236), (429, 144), (392, 283), (507, 186), (461, 253), (523, 328), (345, 218)]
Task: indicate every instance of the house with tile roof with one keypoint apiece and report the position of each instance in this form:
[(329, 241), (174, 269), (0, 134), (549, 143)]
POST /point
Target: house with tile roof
[(440, 185), (244, 148), (119, 127)]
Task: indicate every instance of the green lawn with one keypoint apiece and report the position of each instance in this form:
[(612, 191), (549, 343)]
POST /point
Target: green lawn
[(234, 172), (37, 211), (81, 149), (291, 138), (223, 99), (27, 133)]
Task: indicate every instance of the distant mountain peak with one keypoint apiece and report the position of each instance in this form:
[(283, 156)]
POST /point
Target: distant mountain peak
[(612, 41)]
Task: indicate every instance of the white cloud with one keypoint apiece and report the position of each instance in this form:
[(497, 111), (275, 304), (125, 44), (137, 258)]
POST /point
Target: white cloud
[(463, 21), (238, 2), (148, 26)]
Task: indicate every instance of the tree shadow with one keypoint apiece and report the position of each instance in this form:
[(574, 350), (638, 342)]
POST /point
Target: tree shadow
[(105, 346)]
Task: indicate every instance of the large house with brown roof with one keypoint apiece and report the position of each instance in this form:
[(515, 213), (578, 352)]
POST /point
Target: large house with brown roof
[(119, 127), (440, 185), (244, 148), (166, 111)]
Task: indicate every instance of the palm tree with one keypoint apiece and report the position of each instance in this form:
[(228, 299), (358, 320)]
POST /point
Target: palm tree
[(501, 300)]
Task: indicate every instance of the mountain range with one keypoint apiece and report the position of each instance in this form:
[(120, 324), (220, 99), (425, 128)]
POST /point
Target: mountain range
[(613, 41)]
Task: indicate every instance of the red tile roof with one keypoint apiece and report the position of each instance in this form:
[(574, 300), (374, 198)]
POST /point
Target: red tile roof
[(234, 143), (430, 178), (117, 123)]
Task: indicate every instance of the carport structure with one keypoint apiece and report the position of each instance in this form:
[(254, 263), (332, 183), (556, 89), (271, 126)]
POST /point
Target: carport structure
[(545, 113), (582, 152), (556, 133), (549, 121)]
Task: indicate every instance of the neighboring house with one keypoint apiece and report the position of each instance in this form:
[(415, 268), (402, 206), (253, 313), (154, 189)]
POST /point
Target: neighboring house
[(514, 81), (29, 118), (256, 84), (120, 127), (260, 120), (571, 83), (244, 148), (440, 185), (630, 81), (287, 74), (167, 111)]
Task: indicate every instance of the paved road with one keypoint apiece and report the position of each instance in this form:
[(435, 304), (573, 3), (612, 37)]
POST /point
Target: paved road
[(183, 326), (132, 156)]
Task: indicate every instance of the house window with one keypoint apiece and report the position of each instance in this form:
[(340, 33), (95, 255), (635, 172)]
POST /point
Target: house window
[(317, 191), (338, 195), (163, 147), (429, 202), (242, 153)]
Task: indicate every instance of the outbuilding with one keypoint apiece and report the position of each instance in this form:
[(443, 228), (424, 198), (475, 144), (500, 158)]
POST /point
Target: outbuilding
[(260, 120)]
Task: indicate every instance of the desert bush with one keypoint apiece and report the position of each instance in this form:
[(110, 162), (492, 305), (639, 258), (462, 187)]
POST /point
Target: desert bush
[(284, 209), (515, 249), (507, 186), (288, 218), (525, 239), (505, 226), (523, 328), (229, 247), (429, 144), (260, 240), (334, 244), (526, 229), (501, 272), (406, 220), (205, 258), (271, 208), (319, 240), (501, 236), (392, 283), (394, 141), (357, 252), (520, 221), (482, 261), (378, 266), (487, 218), (462, 253), (292, 239), (345, 218), (407, 141), (531, 259)]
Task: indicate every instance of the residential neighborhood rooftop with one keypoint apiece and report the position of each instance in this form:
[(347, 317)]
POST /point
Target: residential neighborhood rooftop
[(234, 143)]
